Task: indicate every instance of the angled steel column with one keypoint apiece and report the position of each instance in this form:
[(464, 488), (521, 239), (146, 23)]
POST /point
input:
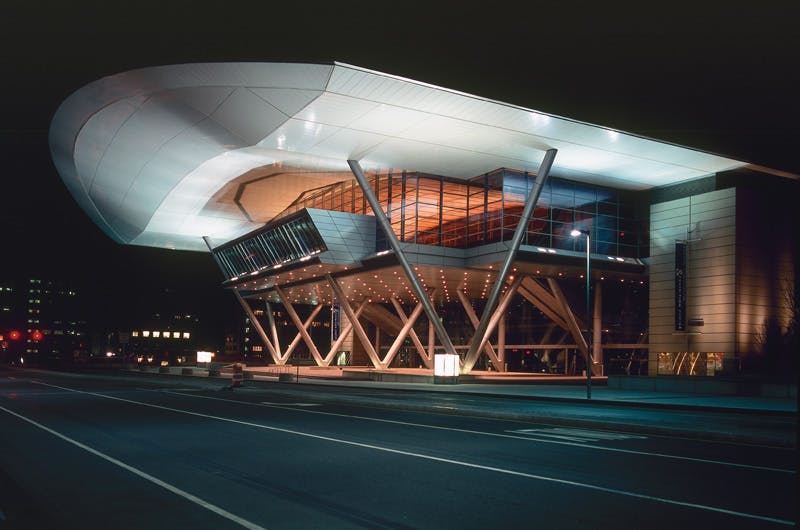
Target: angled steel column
[(256, 324), (298, 337), (572, 322), (401, 336), (299, 325), (473, 318), (413, 334), (357, 327), (500, 281), (383, 221), (540, 297), (273, 328), (343, 334), (501, 307)]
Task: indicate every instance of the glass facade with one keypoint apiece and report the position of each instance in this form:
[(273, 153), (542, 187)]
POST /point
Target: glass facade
[(434, 210), (293, 238)]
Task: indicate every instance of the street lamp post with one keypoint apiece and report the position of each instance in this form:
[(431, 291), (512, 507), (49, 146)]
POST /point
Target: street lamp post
[(589, 362)]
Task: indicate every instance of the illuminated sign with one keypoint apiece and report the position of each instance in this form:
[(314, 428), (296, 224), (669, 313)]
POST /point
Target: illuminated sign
[(445, 365), (204, 356)]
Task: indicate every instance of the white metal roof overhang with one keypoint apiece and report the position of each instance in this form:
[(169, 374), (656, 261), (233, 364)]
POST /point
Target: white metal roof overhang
[(144, 152)]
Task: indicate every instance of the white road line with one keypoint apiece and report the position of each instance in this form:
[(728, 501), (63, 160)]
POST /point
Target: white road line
[(281, 404), (497, 435), (188, 496), (445, 460), (556, 436), (581, 435)]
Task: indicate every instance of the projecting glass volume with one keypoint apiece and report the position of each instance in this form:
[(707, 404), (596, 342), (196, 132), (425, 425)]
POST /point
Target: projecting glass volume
[(434, 210), (293, 238)]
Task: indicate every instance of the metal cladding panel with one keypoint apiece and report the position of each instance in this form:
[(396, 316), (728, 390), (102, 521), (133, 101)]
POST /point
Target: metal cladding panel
[(470, 122), (289, 101), (204, 99), (144, 151), (96, 135), (298, 136), (335, 109), (439, 160), (388, 120), (176, 158), (248, 116), (349, 237), (346, 144)]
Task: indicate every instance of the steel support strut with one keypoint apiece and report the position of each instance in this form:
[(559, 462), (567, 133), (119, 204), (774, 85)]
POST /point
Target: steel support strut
[(273, 352), (500, 281), (419, 290)]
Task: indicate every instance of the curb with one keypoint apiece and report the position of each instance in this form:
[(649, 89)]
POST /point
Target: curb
[(787, 441)]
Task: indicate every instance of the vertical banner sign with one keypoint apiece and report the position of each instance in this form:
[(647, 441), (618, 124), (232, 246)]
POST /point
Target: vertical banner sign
[(680, 286), (336, 321)]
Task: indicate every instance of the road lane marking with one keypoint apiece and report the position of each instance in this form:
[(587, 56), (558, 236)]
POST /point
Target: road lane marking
[(441, 459), (497, 435), (579, 435), (271, 403), (169, 487)]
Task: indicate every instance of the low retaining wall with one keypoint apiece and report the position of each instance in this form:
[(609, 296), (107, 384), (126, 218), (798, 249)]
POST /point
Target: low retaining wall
[(704, 385)]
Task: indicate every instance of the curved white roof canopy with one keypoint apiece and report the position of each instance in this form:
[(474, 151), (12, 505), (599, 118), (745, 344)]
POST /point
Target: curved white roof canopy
[(148, 153)]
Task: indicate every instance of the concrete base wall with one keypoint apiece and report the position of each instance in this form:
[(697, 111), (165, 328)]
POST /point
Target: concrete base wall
[(704, 385)]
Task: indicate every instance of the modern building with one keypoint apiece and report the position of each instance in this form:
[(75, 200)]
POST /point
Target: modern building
[(416, 220), (42, 320)]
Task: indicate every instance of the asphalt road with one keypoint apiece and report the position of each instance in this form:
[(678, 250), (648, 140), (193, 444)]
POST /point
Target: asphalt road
[(84, 453)]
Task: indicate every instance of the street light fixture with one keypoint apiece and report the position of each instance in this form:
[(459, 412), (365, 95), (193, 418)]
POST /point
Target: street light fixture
[(589, 361)]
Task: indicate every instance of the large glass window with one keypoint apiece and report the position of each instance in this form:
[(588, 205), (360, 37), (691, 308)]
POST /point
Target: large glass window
[(435, 210)]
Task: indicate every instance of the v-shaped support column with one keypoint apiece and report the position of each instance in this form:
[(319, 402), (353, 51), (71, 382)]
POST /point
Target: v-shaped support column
[(260, 330), (298, 337), (572, 322), (384, 224), (500, 281), (408, 326), (357, 327), (494, 319), (344, 332), (426, 359), (299, 325)]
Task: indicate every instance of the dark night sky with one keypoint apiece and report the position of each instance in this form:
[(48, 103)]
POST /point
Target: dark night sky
[(720, 76)]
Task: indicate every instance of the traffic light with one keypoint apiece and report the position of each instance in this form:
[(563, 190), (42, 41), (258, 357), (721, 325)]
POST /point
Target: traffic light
[(14, 335)]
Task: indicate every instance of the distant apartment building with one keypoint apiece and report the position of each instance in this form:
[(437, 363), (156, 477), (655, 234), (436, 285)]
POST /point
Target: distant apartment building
[(42, 320)]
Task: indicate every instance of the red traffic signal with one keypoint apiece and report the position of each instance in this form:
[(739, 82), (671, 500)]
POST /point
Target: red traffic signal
[(36, 335), (14, 335)]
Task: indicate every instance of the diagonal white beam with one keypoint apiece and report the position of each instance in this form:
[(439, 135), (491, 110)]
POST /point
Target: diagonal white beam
[(273, 328), (298, 337), (343, 334), (357, 327), (505, 268), (299, 325), (540, 297), (257, 325), (496, 317), (572, 323), (413, 334), (398, 341), (473, 318), (384, 224)]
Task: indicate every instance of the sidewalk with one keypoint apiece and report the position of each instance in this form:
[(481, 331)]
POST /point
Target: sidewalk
[(522, 386)]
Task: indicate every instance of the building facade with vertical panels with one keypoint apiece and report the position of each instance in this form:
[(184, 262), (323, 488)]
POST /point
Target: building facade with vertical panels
[(262, 165)]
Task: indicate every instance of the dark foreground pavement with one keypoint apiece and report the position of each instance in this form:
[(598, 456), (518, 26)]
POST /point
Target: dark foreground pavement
[(178, 452)]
